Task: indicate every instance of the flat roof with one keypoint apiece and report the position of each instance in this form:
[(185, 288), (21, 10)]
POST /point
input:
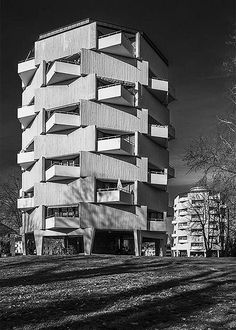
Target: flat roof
[(103, 24)]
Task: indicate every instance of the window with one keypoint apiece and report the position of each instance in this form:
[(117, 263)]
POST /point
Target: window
[(182, 238)]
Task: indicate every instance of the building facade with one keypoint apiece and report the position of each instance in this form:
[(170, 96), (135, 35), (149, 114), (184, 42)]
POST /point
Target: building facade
[(197, 213), (96, 126)]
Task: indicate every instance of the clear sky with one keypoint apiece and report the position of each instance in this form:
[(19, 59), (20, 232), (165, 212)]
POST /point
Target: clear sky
[(192, 34)]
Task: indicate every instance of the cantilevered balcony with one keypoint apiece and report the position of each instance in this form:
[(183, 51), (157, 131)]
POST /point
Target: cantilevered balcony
[(162, 132), (156, 225), (26, 70), (116, 145), (26, 202), (158, 178), (116, 43), (25, 115), (61, 121), (116, 94), (25, 159), (162, 90), (64, 217), (59, 172), (114, 196), (62, 223), (62, 71)]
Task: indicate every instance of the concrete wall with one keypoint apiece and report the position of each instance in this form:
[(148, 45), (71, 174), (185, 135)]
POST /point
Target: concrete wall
[(113, 117), (67, 43), (150, 196), (108, 217), (114, 67), (156, 64), (157, 155), (38, 80), (34, 175), (59, 95), (34, 129), (34, 220), (109, 167), (56, 145), (159, 112), (52, 194)]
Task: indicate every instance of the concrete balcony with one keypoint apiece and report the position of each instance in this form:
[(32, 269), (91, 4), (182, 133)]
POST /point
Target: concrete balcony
[(116, 94), (158, 178), (26, 203), (62, 172), (114, 196), (26, 71), (162, 90), (25, 159), (198, 247), (183, 212), (62, 121), (115, 145), (25, 115), (162, 132), (115, 43), (155, 225), (182, 241), (174, 235), (62, 223), (62, 71)]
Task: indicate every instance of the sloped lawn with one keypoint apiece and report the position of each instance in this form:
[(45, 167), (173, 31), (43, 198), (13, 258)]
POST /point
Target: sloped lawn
[(124, 292)]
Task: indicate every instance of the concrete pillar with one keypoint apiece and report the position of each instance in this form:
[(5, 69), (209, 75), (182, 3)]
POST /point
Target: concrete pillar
[(88, 237), (23, 244), (162, 248), (137, 242), (38, 237)]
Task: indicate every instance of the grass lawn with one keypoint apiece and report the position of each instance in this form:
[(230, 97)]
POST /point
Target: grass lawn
[(117, 292)]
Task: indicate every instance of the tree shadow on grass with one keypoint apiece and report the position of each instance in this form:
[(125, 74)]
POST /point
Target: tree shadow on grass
[(94, 310)]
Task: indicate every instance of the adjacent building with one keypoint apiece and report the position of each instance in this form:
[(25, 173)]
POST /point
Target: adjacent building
[(96, 128), (197, 213)]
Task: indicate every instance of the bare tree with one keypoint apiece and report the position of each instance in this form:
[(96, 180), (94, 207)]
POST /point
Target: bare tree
[(9, 192), (215, 156)]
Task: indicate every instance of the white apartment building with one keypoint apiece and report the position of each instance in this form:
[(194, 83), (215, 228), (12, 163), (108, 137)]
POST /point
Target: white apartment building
[(196, 213), (95, 133)]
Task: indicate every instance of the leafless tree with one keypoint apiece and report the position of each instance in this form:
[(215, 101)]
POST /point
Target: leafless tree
[(9, 192)]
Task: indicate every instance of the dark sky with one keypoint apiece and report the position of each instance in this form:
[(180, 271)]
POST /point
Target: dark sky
[(192, 34)]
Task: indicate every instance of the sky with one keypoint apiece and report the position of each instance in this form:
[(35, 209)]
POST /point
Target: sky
[(192, 34)]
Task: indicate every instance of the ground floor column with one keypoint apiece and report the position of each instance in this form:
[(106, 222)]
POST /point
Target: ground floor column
[(38, 237), (137, 242), (162, 247), (23, 244), (88, 236)]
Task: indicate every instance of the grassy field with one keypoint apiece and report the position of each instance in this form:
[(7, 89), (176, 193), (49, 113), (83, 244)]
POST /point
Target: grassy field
[(107, 292)]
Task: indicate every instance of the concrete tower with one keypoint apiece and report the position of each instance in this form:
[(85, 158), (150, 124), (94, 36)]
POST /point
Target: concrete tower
[(94, 156)]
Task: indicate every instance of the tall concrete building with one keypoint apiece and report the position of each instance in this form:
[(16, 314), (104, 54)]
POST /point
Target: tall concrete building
[(197, 213), (96, 126)]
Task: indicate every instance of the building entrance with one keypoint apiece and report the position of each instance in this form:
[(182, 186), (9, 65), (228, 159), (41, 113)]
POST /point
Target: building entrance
[(113, 242)]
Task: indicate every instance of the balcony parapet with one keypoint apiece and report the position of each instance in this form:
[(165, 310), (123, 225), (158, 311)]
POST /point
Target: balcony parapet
[(158, 178), (116, 43), (25, 115), (116, 94), (114, 196), (62, 222), (25, 159), (61, 71), (62, 120), (26, 70), (117, 144), (62, 172), (25, 203)]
